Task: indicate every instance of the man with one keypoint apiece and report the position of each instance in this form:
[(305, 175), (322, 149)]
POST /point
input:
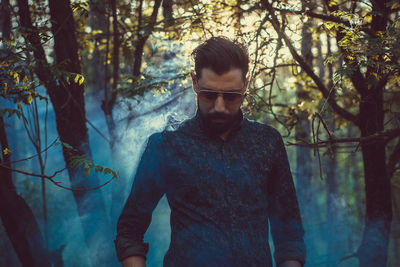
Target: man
[(224, 177)]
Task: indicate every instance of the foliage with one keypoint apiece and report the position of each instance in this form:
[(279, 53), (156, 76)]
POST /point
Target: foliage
[(86, 163)]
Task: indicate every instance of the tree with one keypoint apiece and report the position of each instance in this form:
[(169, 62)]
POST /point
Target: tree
[(24, 234), (368, 69), (68, 102)]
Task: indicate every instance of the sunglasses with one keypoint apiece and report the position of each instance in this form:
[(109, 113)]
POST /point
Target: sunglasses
[(211, 96)]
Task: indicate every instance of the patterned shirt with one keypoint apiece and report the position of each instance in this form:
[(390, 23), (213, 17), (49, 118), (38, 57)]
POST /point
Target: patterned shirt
[(222, 193)]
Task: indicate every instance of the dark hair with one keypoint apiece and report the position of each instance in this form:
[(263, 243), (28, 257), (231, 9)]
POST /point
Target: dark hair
[(220, 54)]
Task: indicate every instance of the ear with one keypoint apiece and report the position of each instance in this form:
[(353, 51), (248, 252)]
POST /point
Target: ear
[(246, 83), (194, 81)]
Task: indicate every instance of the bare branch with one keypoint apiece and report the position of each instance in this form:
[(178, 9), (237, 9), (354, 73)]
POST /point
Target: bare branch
[(324, 17), (35, 155), (386, 135), (325, 92), (50, 178)]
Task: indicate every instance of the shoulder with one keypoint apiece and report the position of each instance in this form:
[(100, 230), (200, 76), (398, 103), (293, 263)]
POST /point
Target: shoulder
[(155, 141), (181, 130), (170, 135), (261, 130)]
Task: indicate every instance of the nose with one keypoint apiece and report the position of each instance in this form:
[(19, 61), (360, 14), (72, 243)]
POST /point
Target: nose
[(219, 104)]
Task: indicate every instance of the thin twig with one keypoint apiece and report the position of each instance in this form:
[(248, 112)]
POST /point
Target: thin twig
[(50, 178), (388, 135), (35, 155)]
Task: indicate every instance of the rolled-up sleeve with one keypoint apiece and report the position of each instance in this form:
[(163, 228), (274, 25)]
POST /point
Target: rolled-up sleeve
[(284, 215), (147, 190)]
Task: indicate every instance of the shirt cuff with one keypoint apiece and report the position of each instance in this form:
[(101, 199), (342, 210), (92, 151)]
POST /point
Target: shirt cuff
[(126, 248)]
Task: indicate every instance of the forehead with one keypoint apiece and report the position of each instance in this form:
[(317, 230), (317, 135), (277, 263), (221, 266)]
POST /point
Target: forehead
[(229, 81)]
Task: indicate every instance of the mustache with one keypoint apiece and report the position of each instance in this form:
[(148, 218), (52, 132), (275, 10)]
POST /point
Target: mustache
[(218, 116)]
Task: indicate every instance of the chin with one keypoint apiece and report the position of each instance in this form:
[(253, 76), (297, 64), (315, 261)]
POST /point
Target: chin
[(218, 128)]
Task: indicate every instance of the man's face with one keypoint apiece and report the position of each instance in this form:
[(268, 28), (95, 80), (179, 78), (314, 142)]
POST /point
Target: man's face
[(218, 110)]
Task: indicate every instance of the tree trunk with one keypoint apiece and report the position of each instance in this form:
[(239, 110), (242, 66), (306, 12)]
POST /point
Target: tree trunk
[(107, 106), (303, 154), (98, 22), (69, 106), (355, 176), (167, 13), (142, 37), (374, 246), (17, 217), (334, 213)]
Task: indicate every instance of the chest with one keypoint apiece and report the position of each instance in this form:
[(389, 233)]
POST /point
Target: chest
[(206, 172)]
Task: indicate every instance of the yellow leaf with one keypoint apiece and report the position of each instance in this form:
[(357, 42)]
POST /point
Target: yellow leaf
[(396, 5), (76, 78), (19, 105), (329, 25), (29, 99), (6, 151), (81, 80), (332, 3), (368, 19), (97, 32), (16, 77), (5, 87)]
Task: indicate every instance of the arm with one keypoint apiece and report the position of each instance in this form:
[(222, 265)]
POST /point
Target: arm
[(134, 261), (147, 189), (290, 264), (284, 215)]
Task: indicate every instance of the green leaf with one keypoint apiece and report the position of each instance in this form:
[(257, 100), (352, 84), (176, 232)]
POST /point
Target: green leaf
[(66, 145)]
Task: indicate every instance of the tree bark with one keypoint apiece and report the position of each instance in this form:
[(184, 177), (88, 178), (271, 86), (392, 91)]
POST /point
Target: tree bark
[(17, 217), (142, 37), (374, 247), (107, 106), (68, 103), (167, 13), (98, 22), (302, 132), (69, 106)]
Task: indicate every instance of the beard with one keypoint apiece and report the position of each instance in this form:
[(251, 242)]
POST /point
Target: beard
[(218, 123)]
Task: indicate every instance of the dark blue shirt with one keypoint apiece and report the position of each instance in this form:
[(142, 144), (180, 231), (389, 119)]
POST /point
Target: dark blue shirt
[(221, 194)]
